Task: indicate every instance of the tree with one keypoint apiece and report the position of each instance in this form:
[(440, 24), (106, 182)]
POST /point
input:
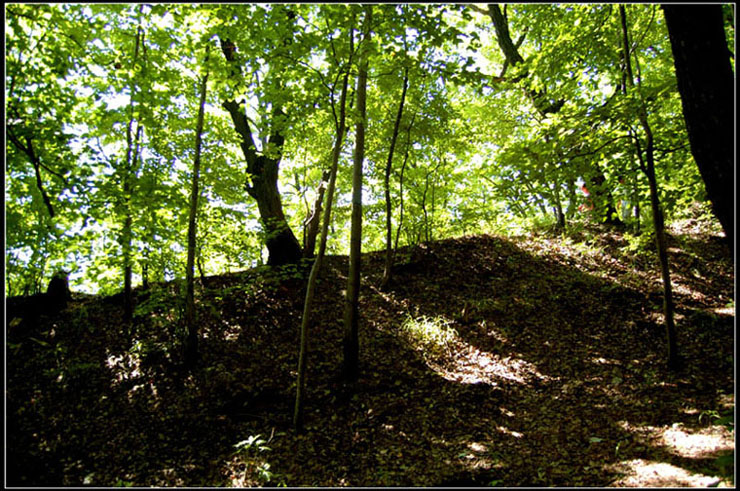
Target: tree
[(262, 172), (40, 162), (316, 268), (545, 105), (388, 167), (133, 139), (647, 164), (351, 312), (705, 81), (191, 339)]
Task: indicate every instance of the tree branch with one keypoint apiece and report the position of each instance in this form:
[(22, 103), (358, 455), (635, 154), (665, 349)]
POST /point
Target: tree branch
[(28, 150)]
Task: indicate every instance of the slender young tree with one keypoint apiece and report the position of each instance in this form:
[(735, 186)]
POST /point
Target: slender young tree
[(133, 139), (400, 181), (386, 183), (341, 125), (351, 312), (646, 159), (191, 326), (705, 82)]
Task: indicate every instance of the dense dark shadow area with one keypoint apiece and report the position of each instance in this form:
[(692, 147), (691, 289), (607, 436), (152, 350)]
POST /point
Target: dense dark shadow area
[(486, 362)]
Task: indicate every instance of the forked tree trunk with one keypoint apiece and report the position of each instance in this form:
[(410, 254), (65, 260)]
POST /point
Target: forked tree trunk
[(312, 224), (351, 312), (262, 176)]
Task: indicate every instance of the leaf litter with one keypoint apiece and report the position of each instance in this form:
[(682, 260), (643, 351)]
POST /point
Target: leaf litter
[(545, 368)]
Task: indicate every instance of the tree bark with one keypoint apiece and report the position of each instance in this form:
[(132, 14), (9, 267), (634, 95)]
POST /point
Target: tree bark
[(36, 162), (705, 82), (262, 171), (539, 98), (388, 166), (351, 312), (191, 325)]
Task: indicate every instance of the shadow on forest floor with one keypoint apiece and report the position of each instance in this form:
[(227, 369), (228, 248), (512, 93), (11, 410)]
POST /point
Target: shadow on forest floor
[(487, 362)]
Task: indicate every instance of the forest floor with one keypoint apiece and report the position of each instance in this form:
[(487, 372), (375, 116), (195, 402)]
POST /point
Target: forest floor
[(490, 361)]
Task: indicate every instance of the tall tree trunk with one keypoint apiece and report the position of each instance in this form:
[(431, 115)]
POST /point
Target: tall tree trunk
[(128, 173), (191, 325), (648, 167), (636, 208), (262, 175), (705, 82), (313, 276), (388, 166), (400, 181), (559, 215), (424, 207), (351, 312)]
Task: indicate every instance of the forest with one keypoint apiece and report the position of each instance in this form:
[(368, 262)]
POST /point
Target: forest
[(370, 244)]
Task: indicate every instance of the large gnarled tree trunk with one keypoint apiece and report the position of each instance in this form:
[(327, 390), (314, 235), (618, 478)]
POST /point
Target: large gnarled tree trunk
[(705, 81), (262, 177)]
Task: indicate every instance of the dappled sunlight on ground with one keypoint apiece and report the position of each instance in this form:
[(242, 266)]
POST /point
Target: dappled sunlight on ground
[(124, 366), (473, 366), (642, 473), (703, 443), (685, 450), (458, 360), (482, 365), (729, 311)]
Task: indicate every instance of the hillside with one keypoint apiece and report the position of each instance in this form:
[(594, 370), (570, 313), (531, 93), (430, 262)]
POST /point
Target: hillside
[(489, 361)]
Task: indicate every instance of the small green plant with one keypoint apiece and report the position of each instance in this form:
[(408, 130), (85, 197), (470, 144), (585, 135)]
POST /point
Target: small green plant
[(250, 449), (252, 444), (433, 334), (726, 419), (639, 245)]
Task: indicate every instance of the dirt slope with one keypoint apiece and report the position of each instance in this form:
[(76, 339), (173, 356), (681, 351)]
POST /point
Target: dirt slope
[(489, 361)]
